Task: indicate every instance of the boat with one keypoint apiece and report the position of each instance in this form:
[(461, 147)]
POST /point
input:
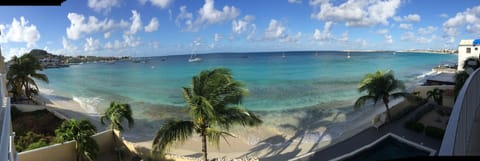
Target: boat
[(283, 55), (194, 58), (348, 56)]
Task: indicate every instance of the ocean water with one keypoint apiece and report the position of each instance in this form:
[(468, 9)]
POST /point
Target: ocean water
[(301, 79)]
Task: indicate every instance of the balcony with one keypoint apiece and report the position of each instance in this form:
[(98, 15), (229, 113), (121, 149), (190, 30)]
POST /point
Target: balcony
[(463, 129)]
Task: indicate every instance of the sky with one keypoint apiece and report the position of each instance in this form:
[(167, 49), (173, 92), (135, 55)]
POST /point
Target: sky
[(174, 27)]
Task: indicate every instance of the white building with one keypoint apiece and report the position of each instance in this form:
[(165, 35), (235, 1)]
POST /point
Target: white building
[(467, 49)]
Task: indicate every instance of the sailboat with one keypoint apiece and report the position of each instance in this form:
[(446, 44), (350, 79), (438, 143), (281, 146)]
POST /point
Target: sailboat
[(283, 55), (348, 56), (194, 58)]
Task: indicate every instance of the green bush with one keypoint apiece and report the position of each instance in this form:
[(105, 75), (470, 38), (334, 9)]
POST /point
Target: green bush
[(415, 126), (22, 143), (434, 132), (15, 112), (38, 144)]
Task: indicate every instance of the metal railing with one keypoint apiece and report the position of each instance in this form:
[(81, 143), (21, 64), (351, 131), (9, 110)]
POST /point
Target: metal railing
[(461, 134), (7, 148)]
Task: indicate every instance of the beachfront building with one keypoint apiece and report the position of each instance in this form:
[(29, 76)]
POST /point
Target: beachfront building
[(466, 49)]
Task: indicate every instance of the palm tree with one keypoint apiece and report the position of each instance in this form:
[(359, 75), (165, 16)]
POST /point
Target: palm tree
[(80, 131), (21, 76), (115, 114), (436, 94), (460, 79), (380, 85), (213, 105)]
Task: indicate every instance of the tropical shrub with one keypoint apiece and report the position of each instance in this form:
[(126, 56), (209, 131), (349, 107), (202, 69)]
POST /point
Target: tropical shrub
[(434, 132)]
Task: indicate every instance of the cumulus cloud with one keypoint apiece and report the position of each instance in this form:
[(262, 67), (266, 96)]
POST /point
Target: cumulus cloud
[(413, 37), (158, 3), (242, 25), (136, 24), (207, 15), (152, 26), (293, 38), (468, 19), (104, 6), (21, 31), (67, 45), (91, 44), (217, 37), (355, 12), (408, 18), (275, 30), (78, 25), (325, 34), (386, 35), (426, 30), (405, 26)]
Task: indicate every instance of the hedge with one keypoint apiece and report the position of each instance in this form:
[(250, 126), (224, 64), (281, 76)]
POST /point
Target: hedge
[(434, 132), (415, 126)]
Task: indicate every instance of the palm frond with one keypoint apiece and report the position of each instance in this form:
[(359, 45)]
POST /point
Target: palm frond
[(214, 135), (172, 130), (363, 99)]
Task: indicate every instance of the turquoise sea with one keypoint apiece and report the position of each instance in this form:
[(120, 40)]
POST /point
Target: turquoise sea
[(275, 83)]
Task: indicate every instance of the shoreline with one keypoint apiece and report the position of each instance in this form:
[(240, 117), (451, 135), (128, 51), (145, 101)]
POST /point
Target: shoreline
[(284, 135)]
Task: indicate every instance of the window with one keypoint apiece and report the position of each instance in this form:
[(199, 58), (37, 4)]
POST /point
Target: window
[(469, 50)]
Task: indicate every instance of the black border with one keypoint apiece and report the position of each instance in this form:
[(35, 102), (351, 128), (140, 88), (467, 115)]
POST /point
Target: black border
[(31, 2)]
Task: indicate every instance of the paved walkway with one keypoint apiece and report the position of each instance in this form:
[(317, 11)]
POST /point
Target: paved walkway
[(371, 134)]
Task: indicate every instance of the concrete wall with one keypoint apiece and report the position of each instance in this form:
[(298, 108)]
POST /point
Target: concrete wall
[(448, 95), (30, 108), (66, 151)]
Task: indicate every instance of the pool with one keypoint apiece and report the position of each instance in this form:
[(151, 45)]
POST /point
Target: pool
[(387, 147)]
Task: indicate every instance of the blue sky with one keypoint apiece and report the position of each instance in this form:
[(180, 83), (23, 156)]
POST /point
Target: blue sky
[(172, 27)]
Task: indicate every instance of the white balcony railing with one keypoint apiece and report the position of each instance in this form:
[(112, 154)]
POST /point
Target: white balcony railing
[(461, 135), (7, 150)]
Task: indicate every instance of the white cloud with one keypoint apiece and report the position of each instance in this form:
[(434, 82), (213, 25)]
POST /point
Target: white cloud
[(426, 30), (325, 34), (136, 24), (294, 1), (406, 26), (443, 15), (414, 37), (107, 35), (383, 31), (67, 45), (356, 12), (408, 18), (104, 6), (469, 19), (78, 27), (275, 30), (293, 38), (21, 31), (116, 45), (152, 26), (217, 37), (131, 41), (386, 35), (185, 19), (388, 39), (158, 3), (344, 37), (91, 44), (207, 15), (242, 25)]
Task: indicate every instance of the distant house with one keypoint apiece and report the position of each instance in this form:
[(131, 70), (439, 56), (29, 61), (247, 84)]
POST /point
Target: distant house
[(467, 49)]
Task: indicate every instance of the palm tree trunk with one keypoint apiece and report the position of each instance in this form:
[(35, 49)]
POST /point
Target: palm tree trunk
[(115, 145), (385, 101), (204, 142)]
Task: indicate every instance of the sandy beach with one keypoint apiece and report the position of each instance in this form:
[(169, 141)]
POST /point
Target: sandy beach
[(283, 135)]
